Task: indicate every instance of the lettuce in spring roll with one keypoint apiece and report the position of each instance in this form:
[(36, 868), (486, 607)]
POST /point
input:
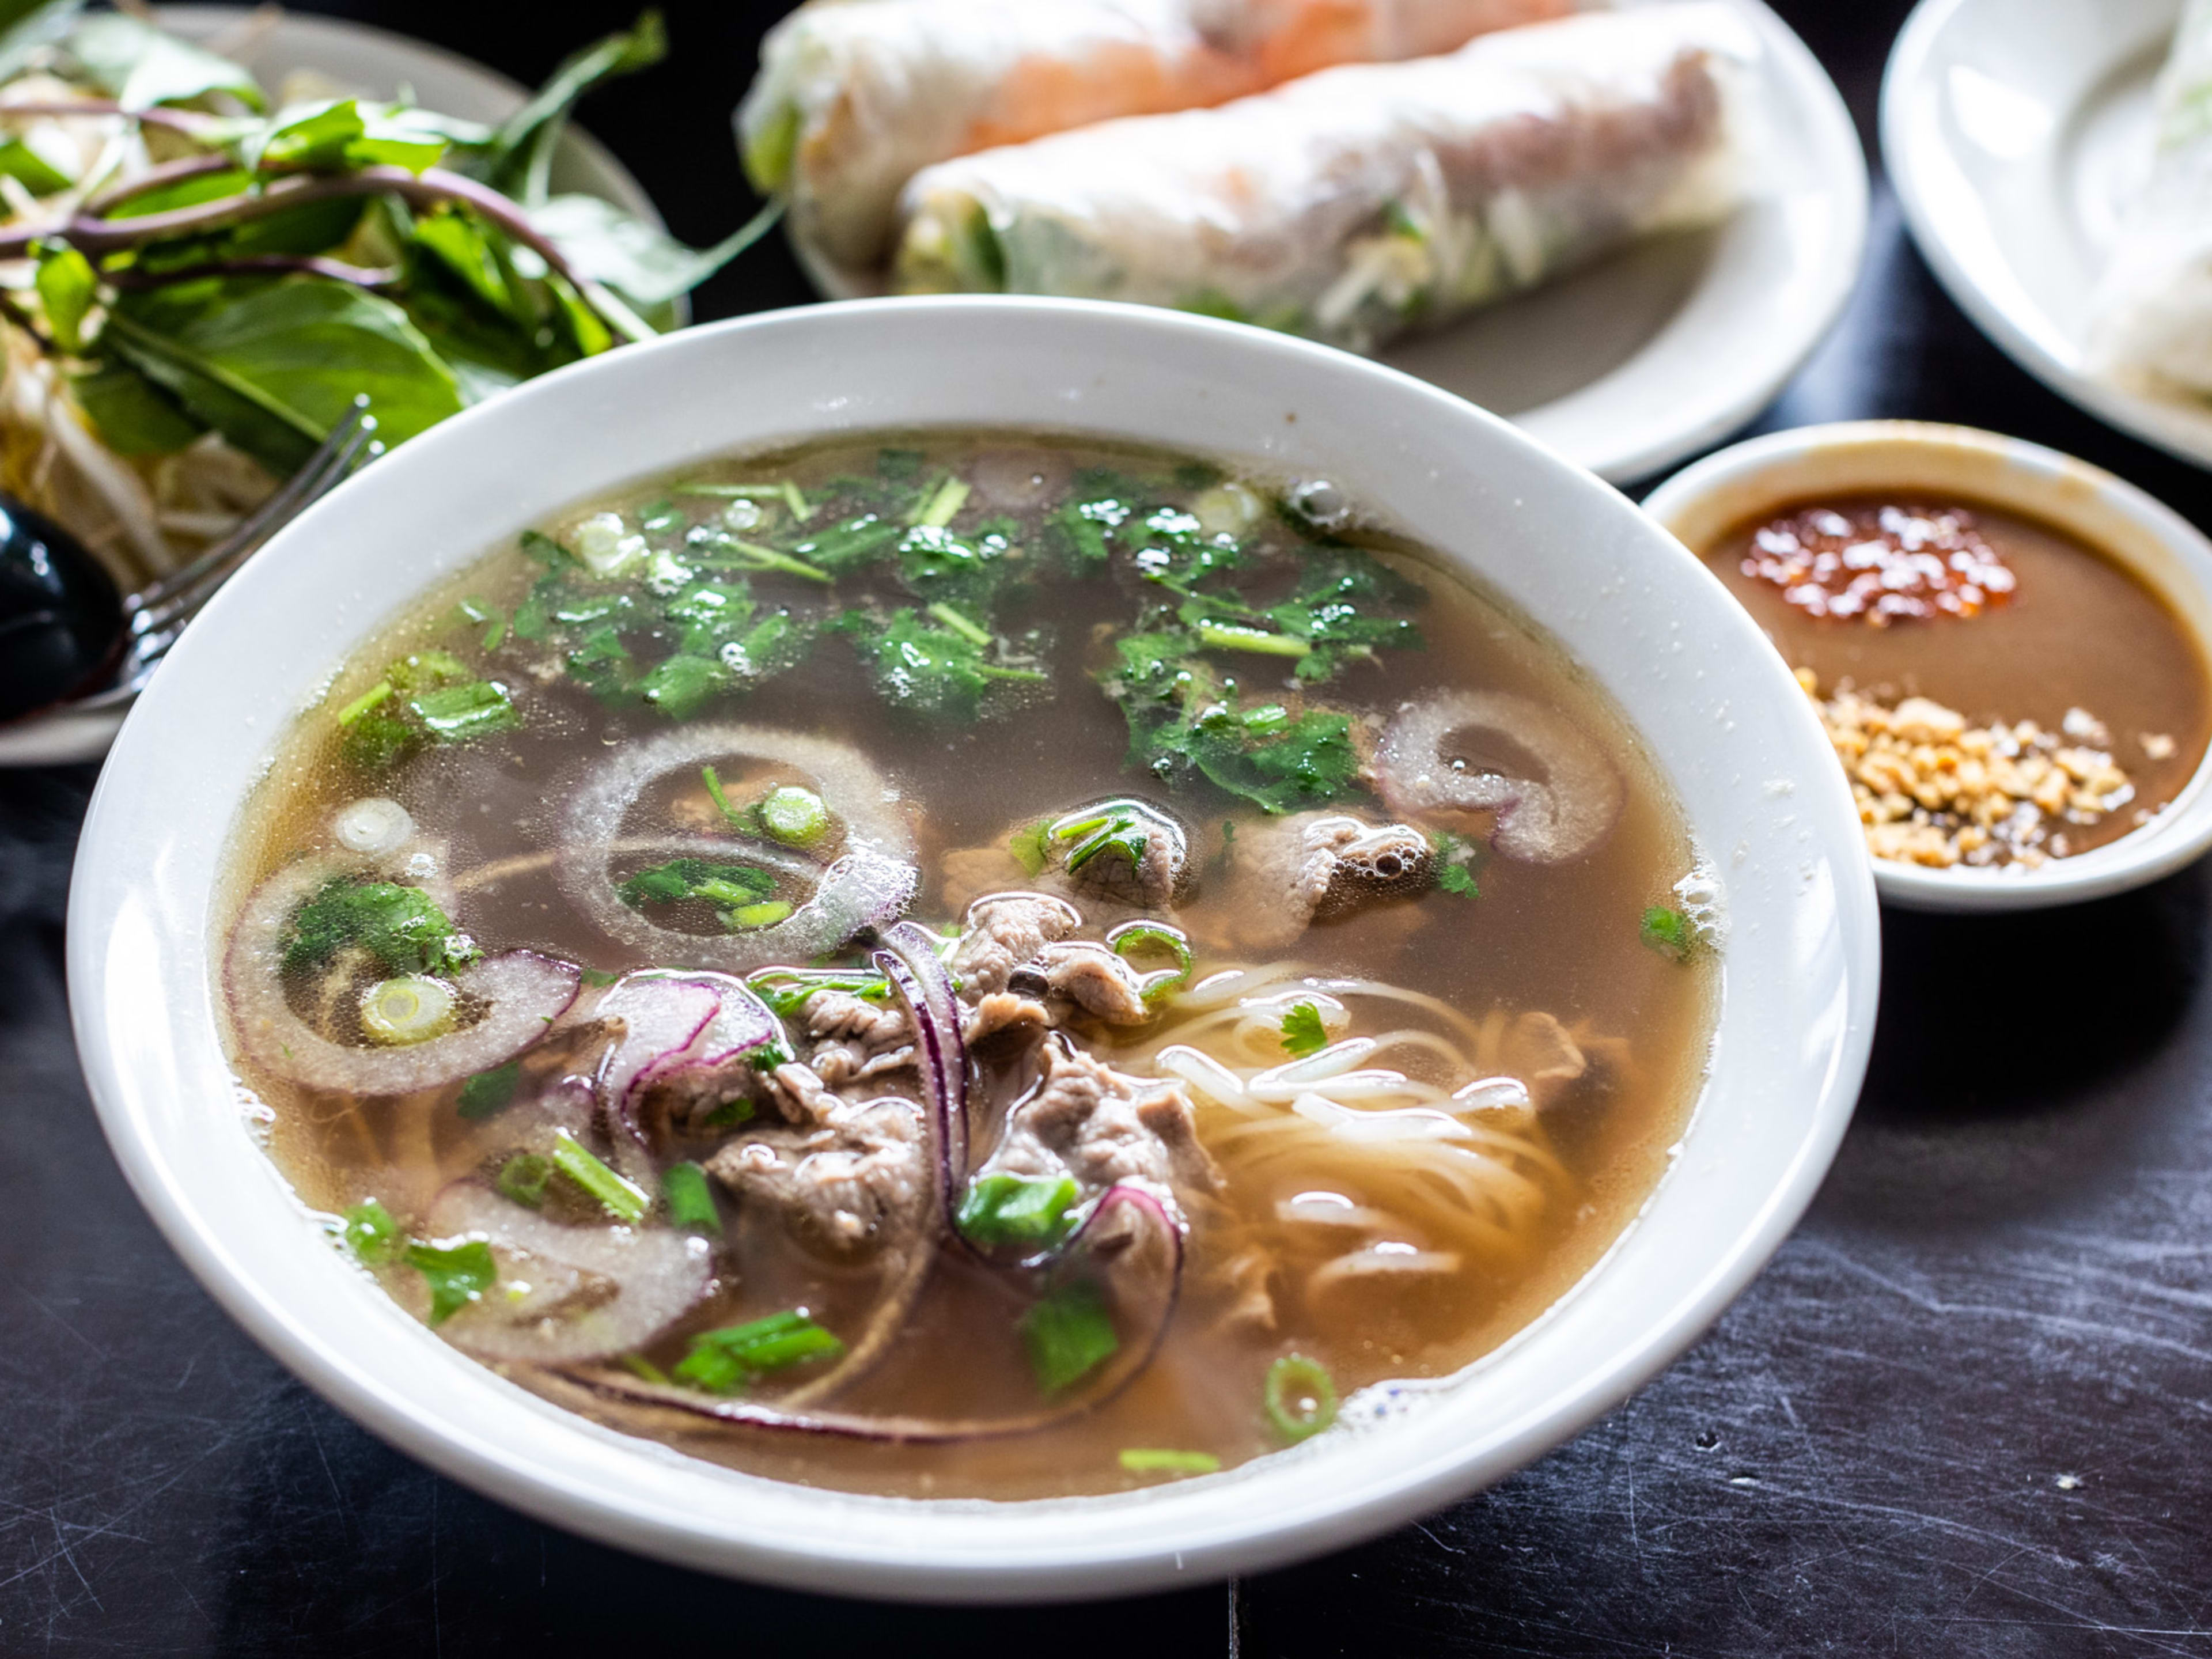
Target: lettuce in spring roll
[(2150, 325), (1362, 202), (854, 97)]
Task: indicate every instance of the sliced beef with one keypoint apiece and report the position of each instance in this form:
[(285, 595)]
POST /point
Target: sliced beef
[(1126, 851), (1002, 931), (1317, 866), (1101, 1126), (852, 1181), (1094, 978)]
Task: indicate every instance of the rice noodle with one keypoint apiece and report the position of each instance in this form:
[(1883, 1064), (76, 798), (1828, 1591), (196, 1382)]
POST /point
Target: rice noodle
[(1441, 1167)]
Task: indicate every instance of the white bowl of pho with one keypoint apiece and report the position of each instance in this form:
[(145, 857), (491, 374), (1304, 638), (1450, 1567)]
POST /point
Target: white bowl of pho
[(974, 948)]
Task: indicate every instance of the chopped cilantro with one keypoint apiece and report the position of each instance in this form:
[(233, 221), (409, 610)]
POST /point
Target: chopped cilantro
[(523, 1178), (1670, 932), (1027, 845), (925, 669), (1303, 1031), (490, 1093), (400, 927), (1457, 859), (458, 1274), (690, 1201), (460, 714), (371, 1233)]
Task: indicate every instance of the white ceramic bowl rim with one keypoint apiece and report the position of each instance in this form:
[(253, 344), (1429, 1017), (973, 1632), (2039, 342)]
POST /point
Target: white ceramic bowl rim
[(1799, 983), (1781, 467)]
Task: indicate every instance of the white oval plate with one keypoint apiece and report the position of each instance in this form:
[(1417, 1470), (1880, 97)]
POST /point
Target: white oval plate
[(1642, 360), (274, 44), (1720, 716), (2016, 131)]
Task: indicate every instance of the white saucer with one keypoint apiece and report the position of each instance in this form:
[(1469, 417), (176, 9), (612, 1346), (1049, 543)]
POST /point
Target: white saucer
[(275, 44), (2015, 130), (1631, 367)]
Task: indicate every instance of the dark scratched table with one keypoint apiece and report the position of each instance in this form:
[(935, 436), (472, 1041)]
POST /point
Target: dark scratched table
[(1967, 1411)]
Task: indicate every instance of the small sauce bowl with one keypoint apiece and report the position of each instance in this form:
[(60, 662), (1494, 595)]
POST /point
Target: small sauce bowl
[(1706, 501)]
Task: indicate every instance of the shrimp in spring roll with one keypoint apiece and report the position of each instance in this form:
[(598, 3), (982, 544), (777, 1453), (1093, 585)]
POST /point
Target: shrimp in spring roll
[(1362, 202), (854, 97)]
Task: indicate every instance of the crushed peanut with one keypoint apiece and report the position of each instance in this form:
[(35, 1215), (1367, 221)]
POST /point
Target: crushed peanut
[(1933, 790)]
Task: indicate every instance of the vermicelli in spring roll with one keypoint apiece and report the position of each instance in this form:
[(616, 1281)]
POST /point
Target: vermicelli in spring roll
[(1361, 202), (852, 98)]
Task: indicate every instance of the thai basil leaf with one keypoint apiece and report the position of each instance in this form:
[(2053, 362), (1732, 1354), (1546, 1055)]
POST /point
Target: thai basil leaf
[(521, 154), (132, 415), (646, 266), (140, 66)]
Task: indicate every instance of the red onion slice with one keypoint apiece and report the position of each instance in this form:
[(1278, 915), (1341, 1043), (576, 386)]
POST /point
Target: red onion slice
[(594, 1291), (1561, 815), (1130, 1240), (870, 886), (658, 1043), (910, 961), (522, 993)]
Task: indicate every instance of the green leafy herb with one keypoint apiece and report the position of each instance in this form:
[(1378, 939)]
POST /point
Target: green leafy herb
[(458, 1274), (1146, 1460), (697, 878), (925, 669), (401, 926), (490, 1093), (1010, 1209), (619, 1197), (1298, 1397), (690, 1202), (67, 286), (1303, 1031), (724, 1361), (1457, 860), (371, 1233), (1117, 828), (523, 1178), (1069, 1334), (1027, 845), (1278, 761)]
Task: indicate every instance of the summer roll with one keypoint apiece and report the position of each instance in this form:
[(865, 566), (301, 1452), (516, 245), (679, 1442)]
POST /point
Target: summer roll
[(853, 97), (2150, 323), (1361, 202)]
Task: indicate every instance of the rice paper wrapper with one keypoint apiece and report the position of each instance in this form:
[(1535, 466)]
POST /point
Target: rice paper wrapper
[(1363, 201), (852, 99), (2150, 323)]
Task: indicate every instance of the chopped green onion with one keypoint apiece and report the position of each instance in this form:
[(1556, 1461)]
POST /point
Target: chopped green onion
[(1227, 636), (1146, 1459), (643, 1369), (367, 701), (690, 1202), (1012, 1209), (619, 1197), (412, 1008), (458, 1274), (958, 621), (714, 793), (1068, 1334), (523, 1178), (795, 817), (1303, 1031), (724, 1361), (490, 1093), (766, 913), (766, 558), (1299, 1397), (1155, 936), (786, 491), (371, 1233), (944, 504)]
